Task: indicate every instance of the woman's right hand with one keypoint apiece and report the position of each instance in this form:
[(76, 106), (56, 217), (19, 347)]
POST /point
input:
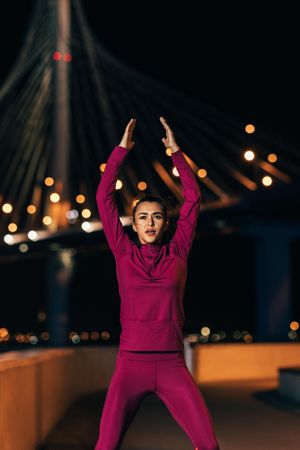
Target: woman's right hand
[(126, 140)]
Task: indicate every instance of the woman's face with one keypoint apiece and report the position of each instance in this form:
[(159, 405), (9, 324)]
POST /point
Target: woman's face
[(150, 222)]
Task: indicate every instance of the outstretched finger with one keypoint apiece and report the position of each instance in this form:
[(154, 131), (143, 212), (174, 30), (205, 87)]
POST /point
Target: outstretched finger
[(131, 125), (131, 122), (164, 123)]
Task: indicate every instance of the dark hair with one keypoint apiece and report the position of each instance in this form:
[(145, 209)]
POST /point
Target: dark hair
[(151, 198)]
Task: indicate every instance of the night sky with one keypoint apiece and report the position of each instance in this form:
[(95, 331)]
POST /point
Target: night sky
[(233, 56), (236, 56)]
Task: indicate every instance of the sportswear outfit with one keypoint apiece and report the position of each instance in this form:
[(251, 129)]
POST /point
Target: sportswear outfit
[(151, 279)]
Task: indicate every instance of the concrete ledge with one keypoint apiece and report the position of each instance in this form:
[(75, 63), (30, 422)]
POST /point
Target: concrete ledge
[(225, 362), (37, 386)]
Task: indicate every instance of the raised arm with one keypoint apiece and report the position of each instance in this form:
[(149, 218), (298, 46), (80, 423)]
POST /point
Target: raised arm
[(117, 238), (189, 211)]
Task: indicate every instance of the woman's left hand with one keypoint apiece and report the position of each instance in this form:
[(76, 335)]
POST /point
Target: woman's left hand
[(169, 140), (127, 141)]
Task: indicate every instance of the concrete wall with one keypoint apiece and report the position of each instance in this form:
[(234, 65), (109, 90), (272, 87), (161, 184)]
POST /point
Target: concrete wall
[(222, 362), (37, 386)]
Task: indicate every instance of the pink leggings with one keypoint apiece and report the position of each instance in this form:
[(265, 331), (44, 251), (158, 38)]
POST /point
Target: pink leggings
[(165, 374)]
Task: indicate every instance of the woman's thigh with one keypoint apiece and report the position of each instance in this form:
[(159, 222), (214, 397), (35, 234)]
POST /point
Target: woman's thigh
[(176, 387)]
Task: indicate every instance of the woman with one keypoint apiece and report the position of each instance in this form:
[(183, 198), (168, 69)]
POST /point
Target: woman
[(151, 277)]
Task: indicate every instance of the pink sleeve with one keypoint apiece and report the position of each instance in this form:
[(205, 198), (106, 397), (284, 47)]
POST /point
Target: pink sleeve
[(117, 238), (189, 211)]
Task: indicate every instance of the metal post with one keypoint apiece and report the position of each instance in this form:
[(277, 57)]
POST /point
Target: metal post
[(61, 93), (273, 276), (60, 270)]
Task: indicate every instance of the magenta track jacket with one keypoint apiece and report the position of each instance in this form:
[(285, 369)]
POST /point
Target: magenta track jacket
[(151, 277)]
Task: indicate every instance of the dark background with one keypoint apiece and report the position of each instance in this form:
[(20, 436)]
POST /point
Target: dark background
[(238, 58), (242, 59), (220, 289)]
